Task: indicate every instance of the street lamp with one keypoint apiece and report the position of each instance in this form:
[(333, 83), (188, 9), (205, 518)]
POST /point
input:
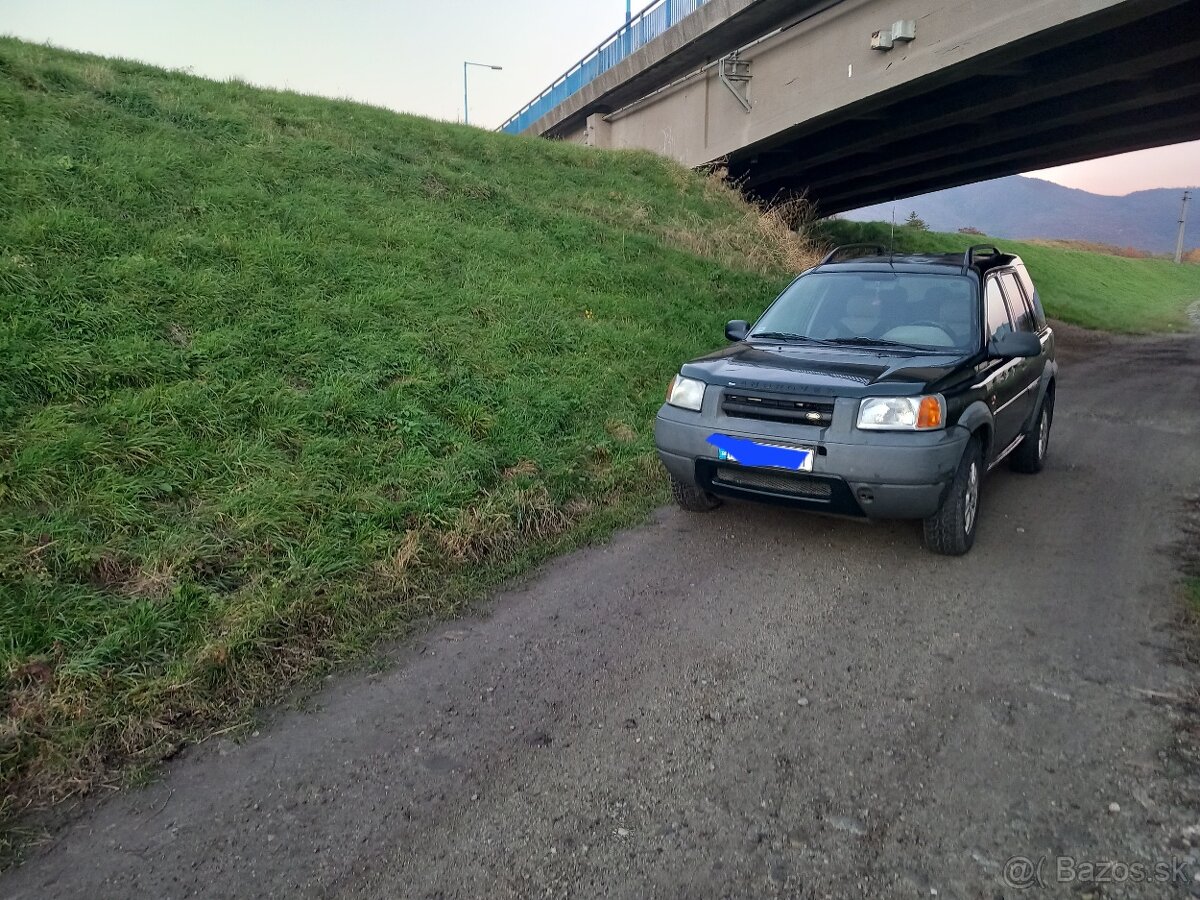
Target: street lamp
[(466, 114)]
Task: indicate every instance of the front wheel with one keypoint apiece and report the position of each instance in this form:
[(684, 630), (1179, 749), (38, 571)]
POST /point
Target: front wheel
[(951, 530), (1030, 457), (692, 498)]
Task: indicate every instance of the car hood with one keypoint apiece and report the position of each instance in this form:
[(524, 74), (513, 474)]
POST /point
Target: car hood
[(831, 371)]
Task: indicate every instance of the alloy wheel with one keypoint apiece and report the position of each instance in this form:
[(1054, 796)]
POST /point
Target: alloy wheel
[(971, 500)]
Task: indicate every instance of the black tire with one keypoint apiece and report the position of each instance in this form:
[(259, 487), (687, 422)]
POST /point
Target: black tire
[(1030, 456), (692, 498), (951, 530)]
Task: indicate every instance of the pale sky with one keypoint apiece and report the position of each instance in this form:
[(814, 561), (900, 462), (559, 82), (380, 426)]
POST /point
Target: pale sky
[(408, 55), (1174, 166)]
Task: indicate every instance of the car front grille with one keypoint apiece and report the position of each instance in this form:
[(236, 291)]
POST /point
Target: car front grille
[(776, 408), (780, 483)]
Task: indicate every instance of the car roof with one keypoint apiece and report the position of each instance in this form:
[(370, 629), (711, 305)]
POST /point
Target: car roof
[(922, 265), (971, 262)]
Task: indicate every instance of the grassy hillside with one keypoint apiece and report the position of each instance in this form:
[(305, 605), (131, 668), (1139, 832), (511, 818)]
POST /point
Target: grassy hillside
[(1095, 290), (280, 374)]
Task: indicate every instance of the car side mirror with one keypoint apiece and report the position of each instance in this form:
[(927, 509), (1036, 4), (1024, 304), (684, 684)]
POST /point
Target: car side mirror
[(737, 329), (1015, 345)]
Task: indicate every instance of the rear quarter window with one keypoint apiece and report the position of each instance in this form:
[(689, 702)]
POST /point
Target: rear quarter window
[(1039, 315), (1018, 306)]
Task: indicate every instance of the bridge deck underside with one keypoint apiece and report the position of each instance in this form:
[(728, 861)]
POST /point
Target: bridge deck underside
[(1119, 82)]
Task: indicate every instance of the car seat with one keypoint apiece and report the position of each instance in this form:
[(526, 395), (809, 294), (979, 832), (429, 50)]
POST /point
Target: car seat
[(860, 319), (951, 310)]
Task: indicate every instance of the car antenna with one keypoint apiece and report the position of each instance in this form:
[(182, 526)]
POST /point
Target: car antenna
[(892, 242)]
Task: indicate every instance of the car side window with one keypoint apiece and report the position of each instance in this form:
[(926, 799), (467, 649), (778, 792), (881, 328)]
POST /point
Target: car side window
[(1018, 306), (1039, 317), (998, 321)]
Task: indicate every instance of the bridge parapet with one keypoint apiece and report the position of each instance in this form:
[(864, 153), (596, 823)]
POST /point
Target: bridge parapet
[(641, 29)]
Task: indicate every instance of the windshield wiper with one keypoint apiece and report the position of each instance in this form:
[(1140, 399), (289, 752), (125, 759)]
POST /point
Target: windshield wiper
[(872, 342), (787, 336)]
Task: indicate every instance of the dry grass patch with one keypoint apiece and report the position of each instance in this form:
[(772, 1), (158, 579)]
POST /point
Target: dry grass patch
[(1093, 247), (497, 526), (620, 431), (399, 566), (525, 468), (764, 238)]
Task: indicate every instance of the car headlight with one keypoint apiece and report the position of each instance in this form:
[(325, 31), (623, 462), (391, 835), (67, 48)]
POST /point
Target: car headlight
[(902, 413), (686, 393)]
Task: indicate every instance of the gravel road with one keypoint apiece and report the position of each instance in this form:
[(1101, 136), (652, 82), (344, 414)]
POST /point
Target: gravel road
[(751, 703)]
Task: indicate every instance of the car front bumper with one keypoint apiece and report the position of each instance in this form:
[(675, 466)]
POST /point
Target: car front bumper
[(882, 475)]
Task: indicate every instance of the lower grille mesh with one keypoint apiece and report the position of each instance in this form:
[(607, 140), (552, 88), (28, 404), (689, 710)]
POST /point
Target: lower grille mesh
[(779, 483)]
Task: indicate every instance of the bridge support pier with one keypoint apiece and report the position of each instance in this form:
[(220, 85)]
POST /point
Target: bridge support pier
[(599, 132)]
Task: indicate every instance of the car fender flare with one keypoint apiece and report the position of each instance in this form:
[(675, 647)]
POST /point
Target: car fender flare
[(977, 416), (1044, 382)]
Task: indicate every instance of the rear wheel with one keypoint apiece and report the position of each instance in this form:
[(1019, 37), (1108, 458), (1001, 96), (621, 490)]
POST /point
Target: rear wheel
[(951, 530), (692, 498), (1030, 457)]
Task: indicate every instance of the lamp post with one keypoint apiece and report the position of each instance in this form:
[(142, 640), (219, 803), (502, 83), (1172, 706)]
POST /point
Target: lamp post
[(1187, 196), (466, 113)]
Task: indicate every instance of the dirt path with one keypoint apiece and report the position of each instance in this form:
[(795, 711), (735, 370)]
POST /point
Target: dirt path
[(747, 704)]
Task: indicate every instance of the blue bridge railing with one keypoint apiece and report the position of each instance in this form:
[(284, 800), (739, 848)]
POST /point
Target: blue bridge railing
[(639, 31)]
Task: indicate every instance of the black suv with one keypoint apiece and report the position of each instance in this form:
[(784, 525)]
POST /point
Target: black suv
[(875, 385)]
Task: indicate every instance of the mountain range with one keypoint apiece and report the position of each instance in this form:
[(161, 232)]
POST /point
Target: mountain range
[(1022, 207)]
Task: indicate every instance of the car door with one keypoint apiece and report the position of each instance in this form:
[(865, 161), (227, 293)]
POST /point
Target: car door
[(1028, 371), (999, 378)]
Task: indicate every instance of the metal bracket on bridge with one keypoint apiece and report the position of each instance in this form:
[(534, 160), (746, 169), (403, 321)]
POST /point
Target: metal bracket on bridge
[(735, 75)]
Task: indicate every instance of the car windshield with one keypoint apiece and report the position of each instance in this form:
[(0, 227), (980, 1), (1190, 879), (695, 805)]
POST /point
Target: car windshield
[(926, 312)]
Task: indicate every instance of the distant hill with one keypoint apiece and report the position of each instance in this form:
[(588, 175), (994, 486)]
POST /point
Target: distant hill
[(1021, 207), (1096, 290)]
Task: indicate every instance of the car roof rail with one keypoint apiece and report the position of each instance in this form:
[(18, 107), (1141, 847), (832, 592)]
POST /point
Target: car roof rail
[(879, 249), (969, 256)]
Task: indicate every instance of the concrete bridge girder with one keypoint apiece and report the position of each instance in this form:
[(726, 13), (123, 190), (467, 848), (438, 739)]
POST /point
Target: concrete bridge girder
[(824, 64), (979, 77)]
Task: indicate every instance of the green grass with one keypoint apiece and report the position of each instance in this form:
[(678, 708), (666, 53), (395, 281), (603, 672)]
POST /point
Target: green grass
[(281, 374), (1094, 290)]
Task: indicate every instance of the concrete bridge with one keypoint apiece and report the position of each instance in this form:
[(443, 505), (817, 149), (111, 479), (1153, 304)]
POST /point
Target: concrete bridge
[(863, 101)]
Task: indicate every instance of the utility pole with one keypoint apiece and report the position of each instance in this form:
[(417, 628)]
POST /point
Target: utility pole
[(628, 11), (1187, 195)]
